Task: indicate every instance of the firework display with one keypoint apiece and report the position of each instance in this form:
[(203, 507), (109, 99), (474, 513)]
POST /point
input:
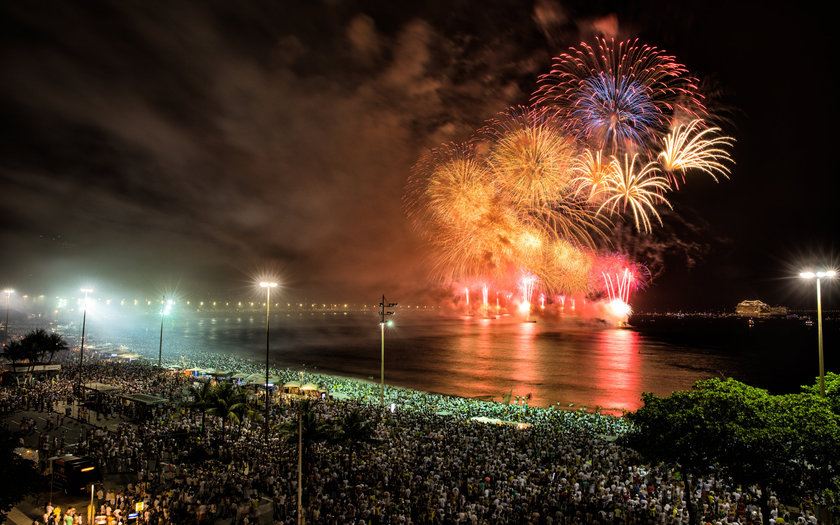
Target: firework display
[(522, 208), (619, 97)]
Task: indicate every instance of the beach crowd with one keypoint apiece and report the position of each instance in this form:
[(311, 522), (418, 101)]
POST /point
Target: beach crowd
[(421, 458)]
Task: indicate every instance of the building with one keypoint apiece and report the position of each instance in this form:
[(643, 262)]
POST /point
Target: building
[(757, 308)]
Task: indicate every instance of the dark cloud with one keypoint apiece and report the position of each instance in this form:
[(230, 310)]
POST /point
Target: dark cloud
[(197, 142), (161, 140)]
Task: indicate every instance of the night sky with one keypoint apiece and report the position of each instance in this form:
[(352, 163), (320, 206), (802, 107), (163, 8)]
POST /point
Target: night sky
[(200, 145)]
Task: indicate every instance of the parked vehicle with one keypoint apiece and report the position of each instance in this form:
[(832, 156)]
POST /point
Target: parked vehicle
[(74, 474)]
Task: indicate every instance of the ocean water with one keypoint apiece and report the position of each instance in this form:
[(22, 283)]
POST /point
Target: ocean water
[(568, 361)]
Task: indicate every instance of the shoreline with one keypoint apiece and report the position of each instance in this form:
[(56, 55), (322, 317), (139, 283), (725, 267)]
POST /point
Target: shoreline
[(335, 376)]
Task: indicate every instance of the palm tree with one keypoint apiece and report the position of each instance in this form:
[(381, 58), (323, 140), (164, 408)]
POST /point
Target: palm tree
[(54, 344), (244, 410), (227, 403), (14, 352), (312, 429), (354, 430), (44, 343), (202, 398), (33, 347)]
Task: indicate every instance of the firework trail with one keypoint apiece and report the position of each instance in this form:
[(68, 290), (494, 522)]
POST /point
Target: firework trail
[(591, 174), (636, 187), (618, 285), (620, 96), (526, 286), (691, 147)]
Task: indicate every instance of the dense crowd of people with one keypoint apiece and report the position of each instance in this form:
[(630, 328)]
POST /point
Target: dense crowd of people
[(421, 459)]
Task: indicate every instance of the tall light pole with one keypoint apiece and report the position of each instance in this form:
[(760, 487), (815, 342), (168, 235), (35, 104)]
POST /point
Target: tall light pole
[(826, 274), (8, 292), (82, 345), (164, 311), (300, 468), (268, 286), (382, 314)]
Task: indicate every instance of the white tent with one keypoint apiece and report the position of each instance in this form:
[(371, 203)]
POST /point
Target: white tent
[(340, 396)]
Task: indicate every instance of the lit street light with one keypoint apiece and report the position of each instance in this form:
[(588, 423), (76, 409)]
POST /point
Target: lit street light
[(8, 292), (827, 274), (164, 311), (82, 346), (382, 314), (268, 286)]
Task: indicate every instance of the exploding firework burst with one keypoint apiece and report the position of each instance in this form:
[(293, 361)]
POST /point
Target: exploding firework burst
[(452, 186), (636, 187), (591, 174), (530, 159), (690, 147), (454, 204), (620, 96)]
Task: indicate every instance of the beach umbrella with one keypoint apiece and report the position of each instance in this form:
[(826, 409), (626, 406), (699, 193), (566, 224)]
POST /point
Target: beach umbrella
[(255, 378), (309, 387), (291, 384)]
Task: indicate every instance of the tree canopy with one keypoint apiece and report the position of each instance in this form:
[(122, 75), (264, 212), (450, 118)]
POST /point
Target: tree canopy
[(832, 389), (784, 442), (20, 476), (34, 347)]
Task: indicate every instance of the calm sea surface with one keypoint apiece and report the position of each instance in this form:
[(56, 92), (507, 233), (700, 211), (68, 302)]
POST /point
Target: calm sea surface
[(556, 361)]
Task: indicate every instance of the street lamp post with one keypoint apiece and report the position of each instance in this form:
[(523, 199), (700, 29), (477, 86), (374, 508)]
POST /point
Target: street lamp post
[(82, 345), (382, 314), (300, 468), (827, 274), (8, 292), (164, 311), (268, 286)]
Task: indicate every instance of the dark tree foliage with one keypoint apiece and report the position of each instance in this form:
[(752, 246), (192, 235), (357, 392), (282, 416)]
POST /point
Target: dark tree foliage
[(785, 443), (832, 389), (228, 402), (353, 432), (34, 347), (20, 476)]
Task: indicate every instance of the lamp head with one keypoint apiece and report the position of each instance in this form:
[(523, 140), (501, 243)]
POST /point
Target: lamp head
[(267, 284), (821, 274)]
